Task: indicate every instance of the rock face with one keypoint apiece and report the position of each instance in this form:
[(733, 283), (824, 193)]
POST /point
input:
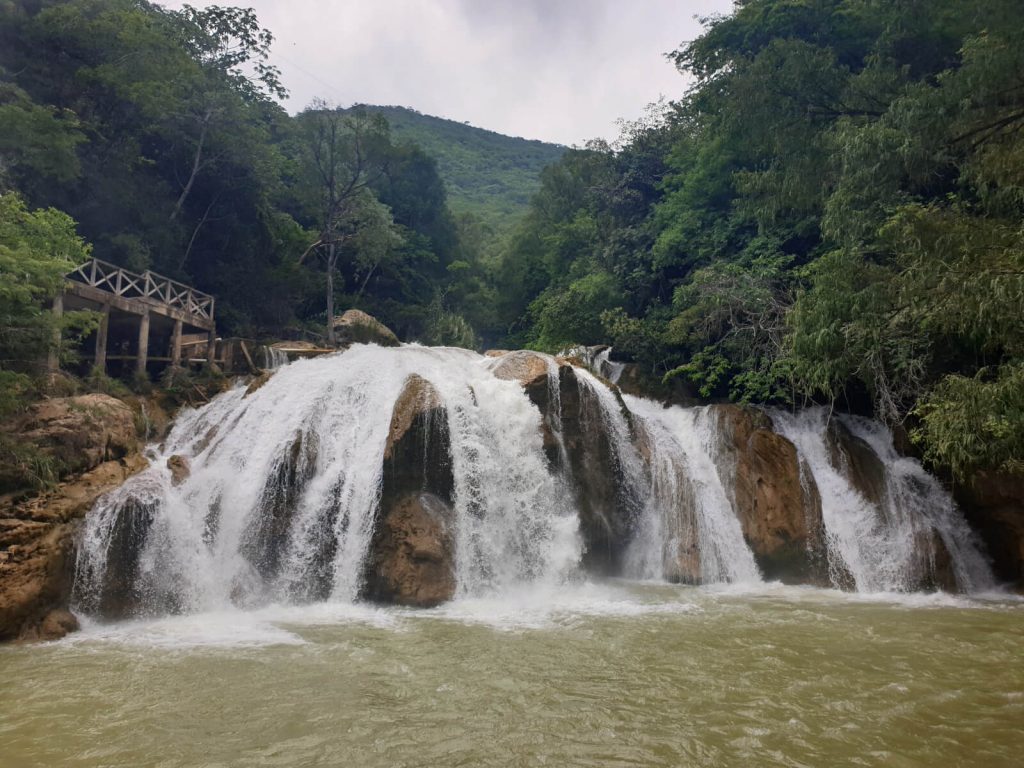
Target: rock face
[(79, 432), (993, 503), (855, 459), (605, 508), (414, 552), (577, 444), (522, 366), (180, 469), (357, 327), (412, 555), (36, 551), (777, 503)]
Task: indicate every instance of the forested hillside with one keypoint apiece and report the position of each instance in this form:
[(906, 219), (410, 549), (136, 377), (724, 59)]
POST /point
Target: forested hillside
[(489, 175), (833, 212), (158, 132)]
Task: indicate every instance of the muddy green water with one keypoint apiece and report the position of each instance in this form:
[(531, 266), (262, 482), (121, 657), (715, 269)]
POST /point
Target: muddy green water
[(596, 675)]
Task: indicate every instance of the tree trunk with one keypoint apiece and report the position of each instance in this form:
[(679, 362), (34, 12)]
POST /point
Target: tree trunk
[(197, 163), (330, 293)]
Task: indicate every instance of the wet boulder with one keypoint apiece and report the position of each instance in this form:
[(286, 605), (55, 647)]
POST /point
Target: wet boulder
[(411, 554), (540, 381), (523, 366), (412, 561), (777, 502), (180, 469), (607, 508), (357, 327), (264, 542), (855, 459)]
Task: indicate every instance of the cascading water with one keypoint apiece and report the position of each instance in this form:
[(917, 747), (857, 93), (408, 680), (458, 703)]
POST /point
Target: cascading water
[(888, 544), (690, 530), (275, 496), (607, 367), (285, 483), (628, 464), (273, 358)]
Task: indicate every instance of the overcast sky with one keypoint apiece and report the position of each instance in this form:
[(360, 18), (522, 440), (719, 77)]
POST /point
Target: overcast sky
[(557, 70)]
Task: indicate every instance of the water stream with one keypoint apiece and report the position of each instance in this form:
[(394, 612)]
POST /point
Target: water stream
[(244, 640)]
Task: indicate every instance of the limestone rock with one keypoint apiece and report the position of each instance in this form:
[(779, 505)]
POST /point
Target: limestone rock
[(180, 469), (853, 457), (606, 513), (57, 623), (357, 327), (777, 503), (993, 503), (79, 432), (36, 550), (258, 381), (522, 366), (413, 558)]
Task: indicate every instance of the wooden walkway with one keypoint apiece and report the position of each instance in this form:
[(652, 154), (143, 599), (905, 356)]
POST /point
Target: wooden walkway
[(145, 299)]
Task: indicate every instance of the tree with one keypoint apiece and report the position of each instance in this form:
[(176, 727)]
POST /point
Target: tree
[(37, 248), (225, 43), (346, 155)]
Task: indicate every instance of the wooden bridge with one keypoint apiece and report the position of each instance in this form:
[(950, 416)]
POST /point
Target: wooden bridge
[(135, 308)]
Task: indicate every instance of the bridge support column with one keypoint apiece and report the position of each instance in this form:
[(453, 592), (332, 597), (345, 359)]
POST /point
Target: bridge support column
[(53, 354), (143, 354), (100, 359), (211, 347), (176, 345)]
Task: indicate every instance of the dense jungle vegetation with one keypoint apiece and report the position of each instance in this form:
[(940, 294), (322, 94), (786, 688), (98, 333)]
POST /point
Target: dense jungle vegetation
[(831, 211), (834, 211)]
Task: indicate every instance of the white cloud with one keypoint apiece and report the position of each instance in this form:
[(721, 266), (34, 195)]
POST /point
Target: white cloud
[(558, 70)]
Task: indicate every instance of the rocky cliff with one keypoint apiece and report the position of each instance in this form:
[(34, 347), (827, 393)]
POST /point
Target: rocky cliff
[(93, 437)]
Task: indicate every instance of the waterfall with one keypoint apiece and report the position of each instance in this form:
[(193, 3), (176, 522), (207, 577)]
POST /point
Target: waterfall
[(690, 530), (607, 367), (889, 543), (272, 358), (278, 495), (285, 485)]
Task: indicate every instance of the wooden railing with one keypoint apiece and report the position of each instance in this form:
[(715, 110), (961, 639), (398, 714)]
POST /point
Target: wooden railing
[(149, 285)]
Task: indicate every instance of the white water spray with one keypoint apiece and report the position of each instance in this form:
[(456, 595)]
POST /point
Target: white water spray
[(285, 483), (688, 508)]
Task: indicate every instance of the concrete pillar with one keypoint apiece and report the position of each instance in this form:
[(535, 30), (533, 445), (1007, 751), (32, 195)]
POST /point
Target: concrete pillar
[(53, 354), (100, 360), (176, 345), (211, 347), (143, 354)]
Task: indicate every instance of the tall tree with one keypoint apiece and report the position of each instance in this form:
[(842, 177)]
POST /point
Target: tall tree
[(347, 154)]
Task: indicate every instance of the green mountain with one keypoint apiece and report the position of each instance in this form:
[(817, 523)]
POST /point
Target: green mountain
[(487, 174)]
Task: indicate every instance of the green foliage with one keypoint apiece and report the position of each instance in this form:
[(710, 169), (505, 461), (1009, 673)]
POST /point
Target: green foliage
[(830, 213), (970, 423), (37, 248), (569, 317)]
